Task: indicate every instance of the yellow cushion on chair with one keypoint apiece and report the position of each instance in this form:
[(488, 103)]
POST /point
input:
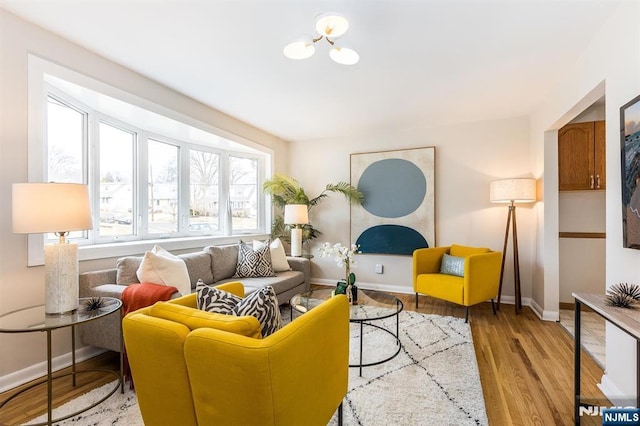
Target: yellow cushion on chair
[(446, 287), (195, 318)]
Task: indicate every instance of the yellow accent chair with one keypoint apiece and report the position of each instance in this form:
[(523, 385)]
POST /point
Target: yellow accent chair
[(192, 367), (479, 283)]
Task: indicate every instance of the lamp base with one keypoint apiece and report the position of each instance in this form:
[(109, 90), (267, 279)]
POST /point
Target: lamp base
[(61, 278), (296, 242)]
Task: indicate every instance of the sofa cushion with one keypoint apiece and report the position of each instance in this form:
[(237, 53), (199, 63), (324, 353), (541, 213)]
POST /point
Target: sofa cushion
[(199, 267), (452, 265), (278, 255), (158, 266), (194, 318), (282, 282), (262, 304), (213, 299), (126, 268), (224, 260), (253, 263), (464, 251)]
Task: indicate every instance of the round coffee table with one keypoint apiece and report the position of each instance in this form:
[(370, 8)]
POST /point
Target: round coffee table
[(371, 306)]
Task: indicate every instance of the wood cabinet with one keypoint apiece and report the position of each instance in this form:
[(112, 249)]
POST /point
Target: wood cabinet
[(581, 156)]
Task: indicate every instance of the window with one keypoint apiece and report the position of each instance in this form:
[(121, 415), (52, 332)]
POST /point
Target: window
[(117, 198), (150, 176)]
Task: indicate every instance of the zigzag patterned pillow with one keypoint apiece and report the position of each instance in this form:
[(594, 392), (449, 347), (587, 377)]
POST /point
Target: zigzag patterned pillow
[(211, 299), (262, 304), (253, 263)]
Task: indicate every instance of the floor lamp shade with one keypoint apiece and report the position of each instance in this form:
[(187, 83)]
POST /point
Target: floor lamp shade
[(296, 215), (512, 191), (54, 207)]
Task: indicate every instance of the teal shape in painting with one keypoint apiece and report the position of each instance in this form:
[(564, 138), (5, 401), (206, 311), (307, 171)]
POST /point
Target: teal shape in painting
[(392, 188), (390, 239)]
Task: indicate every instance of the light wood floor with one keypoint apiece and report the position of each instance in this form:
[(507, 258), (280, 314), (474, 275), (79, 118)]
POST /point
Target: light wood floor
[(526, 369)]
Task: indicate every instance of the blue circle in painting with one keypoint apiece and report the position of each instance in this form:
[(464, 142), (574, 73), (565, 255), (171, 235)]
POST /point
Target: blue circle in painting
[(392, 188)]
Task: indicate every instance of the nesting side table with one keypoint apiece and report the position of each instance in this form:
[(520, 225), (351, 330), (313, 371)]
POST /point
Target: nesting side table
[(34, 319)]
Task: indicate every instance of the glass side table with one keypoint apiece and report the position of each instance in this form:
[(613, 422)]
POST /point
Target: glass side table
[(372, 306), (34, 319)]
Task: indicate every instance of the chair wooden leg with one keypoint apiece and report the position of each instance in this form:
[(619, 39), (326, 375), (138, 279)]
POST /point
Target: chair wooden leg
[(340, 415), (493, 306), (466, 314), (416, 301)]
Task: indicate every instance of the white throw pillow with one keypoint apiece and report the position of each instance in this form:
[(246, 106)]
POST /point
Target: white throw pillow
[(278, 256), (158, 266)]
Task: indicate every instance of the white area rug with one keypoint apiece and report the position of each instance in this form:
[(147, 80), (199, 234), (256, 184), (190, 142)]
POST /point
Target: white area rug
[(592, 338), (434, 380)]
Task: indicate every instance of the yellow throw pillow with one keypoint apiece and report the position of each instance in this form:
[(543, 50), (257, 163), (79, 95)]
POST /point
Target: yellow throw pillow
[(195, 318)]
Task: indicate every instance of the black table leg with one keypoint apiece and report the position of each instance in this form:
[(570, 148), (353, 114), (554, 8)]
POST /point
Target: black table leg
[(576, 364)]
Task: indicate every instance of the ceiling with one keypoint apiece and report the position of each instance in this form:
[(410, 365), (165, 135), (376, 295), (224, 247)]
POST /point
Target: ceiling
[(427, 63)]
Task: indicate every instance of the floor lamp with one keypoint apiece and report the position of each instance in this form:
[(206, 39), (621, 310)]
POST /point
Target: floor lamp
[(512, 191)]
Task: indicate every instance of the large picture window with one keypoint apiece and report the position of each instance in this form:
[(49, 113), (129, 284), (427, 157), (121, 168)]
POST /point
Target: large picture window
[(150, 176)]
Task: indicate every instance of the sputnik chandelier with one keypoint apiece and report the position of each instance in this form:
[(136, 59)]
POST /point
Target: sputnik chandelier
[(329, 26)]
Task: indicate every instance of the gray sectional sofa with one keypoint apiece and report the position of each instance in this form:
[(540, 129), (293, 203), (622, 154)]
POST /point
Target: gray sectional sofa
[(214, 265)]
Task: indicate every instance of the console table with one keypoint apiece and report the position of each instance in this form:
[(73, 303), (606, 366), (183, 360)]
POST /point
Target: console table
[(627, 320), (34, 319)]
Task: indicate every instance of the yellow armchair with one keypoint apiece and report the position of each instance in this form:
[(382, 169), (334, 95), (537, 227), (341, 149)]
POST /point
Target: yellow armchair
[(192, 370), (479, 282)]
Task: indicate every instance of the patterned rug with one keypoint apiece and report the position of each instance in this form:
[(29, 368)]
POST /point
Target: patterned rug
[(433, 380)]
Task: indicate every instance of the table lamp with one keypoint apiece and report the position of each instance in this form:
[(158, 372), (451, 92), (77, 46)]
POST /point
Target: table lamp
[(296, 215), (60, 208), (512, 191)]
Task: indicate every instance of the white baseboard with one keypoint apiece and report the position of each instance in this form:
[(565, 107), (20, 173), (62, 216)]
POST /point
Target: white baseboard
[(614, 394), (39, 370), (507, 300)]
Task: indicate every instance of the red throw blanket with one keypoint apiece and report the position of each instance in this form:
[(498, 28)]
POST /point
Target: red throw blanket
[(137, 296)]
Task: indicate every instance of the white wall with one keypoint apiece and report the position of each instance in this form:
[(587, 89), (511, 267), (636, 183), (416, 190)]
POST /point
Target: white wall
[(468, 157), (611, 67), (21, 286)]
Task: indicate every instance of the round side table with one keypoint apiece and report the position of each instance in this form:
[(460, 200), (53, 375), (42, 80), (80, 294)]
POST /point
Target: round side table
[(32, 319)]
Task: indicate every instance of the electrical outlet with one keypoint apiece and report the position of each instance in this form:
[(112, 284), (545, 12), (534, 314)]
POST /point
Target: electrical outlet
[(379, 268)]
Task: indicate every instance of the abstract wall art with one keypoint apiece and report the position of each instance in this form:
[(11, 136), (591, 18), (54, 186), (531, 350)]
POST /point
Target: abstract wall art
[(398, 212), (630, 169)]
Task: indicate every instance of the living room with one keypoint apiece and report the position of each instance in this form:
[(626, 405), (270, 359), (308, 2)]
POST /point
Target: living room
[(473, 147)]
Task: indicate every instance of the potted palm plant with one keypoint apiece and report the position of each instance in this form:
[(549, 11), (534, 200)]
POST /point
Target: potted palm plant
[(286, 190)]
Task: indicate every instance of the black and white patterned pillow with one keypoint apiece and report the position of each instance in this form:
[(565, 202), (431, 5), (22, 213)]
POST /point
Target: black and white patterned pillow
[(253, 263), (211, 299), (262, 304)]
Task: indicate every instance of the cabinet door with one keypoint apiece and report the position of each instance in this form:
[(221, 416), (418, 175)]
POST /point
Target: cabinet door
[(600, 156), (576, 157)]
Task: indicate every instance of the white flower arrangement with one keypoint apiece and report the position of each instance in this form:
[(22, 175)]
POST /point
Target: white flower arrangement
[(343, 256)]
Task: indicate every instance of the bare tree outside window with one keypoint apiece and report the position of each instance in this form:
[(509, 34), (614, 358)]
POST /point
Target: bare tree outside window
[(204, 192), (243, 192)]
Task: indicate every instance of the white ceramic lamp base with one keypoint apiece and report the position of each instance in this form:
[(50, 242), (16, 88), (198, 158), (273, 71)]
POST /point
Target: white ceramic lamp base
[(61, 278), (296, 242)]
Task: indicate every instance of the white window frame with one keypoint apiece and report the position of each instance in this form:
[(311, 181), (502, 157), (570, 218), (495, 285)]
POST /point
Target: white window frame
[(96, 247)]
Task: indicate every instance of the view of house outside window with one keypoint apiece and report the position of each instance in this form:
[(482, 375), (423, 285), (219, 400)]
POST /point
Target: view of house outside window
[(150, 176)]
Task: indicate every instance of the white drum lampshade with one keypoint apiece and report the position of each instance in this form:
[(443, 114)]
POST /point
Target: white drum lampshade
[(296, 215), (39, 208), (513, 190)]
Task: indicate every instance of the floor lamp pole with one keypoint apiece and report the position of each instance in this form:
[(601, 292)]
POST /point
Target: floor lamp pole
[(516, 259)]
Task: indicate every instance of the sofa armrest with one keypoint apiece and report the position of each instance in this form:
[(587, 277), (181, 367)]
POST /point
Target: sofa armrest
[(427, 261), (303, 265), (89, 280)]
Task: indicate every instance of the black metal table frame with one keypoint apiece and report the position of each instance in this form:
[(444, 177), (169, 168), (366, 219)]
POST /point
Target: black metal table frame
[(576, 362), (51, 377), (368, 322)]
